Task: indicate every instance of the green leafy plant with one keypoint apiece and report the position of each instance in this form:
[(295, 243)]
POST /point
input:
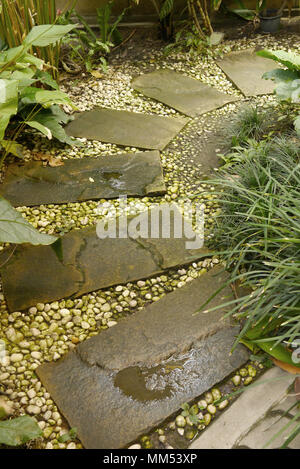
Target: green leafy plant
[(242, 153), (197, 31), (246, 13), (15, 229), (261, 9), (19, 430), (258, 231), (23, 102), (166, 8), (188, 39), (18, 17), (249, 122), (191, 412), (287, 81), (69, 436), (90, 48)]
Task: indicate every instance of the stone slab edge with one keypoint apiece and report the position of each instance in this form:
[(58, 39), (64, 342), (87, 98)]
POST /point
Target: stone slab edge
[(251, 407)]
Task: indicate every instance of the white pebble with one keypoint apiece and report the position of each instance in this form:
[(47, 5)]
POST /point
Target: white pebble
[(71, 445), (16, 357), (85, 325), (111, 323), (33, 409), (31, 393)]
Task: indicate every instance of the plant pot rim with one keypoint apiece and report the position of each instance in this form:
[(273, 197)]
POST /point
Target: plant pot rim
[(270, 17)]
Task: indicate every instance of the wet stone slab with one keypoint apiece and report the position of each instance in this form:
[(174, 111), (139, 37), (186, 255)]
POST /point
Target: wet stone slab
[(126, 128), (185, 94), (245, 70), (137, 174), (118, 385), (121, 251)]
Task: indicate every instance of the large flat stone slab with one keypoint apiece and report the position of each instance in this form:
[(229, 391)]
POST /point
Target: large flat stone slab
[(119, 384), (246, 414), (126, 128), (245, 70), (137, 174), (35, 274), (185, 94)]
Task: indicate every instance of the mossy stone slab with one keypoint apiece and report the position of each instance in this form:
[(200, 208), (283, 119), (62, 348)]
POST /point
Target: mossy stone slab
[(121, 383), (126, 128), (137, 174), (185, 94), (34, 274), (245, 70)]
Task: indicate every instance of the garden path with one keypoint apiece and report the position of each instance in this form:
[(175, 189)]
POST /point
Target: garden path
[(82, 382)]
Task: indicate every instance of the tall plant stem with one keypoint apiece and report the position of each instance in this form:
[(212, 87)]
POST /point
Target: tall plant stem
[(208, 22), (195, 19)]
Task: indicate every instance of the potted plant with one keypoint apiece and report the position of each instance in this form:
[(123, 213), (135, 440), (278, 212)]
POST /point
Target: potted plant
[(267, 15), (270, 18)]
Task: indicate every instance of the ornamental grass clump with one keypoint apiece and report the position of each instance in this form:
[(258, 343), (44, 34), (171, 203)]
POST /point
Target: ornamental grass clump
[(258, 231), (253, 123)]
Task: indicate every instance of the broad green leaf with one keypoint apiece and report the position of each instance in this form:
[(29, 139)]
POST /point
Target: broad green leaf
[(289, 91), (46, 78), (46, 98), (290, 59), (17, 431), (278, 75), (15, 229), (8, 103), (47, 34), (40, 127), (11, 55), (23, 76), (14, 74), (279, 352), (4, 121), (248, 15), (49, 119), (10, 146), (32, 60), (60, 115), (166, 8)]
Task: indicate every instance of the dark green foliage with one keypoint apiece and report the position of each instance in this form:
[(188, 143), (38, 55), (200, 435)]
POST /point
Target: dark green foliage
[(249, 123), (258, 232)]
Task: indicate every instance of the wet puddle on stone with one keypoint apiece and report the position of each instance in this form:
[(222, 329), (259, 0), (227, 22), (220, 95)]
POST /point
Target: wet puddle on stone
[(108, 175), (158, 382)]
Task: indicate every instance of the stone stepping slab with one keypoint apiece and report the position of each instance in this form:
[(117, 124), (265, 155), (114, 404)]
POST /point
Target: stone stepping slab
[(126, 128), (251, 420), (185, 94), (137, 174), (245, 70), (34, 274), (118, 385)]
